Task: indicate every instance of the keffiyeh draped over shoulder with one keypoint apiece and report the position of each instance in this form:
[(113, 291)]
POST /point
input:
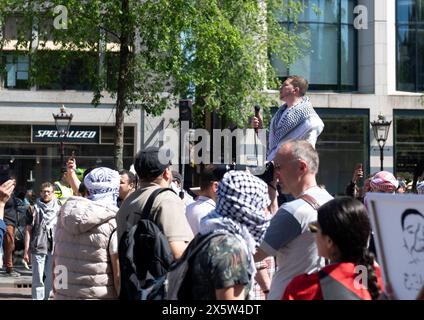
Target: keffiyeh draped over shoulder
[(286, 120), (242, 198), (103, 185)]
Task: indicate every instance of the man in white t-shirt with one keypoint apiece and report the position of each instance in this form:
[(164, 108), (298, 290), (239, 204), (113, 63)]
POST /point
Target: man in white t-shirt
[(205, 202), (288, 238)]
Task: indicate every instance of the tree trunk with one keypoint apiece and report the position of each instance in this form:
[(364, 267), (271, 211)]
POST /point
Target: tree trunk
[(123, 86)]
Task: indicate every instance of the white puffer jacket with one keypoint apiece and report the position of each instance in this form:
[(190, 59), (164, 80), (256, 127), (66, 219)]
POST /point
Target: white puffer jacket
[(82, 237)]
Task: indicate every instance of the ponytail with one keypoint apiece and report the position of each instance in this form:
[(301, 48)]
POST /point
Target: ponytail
[(367, 260)]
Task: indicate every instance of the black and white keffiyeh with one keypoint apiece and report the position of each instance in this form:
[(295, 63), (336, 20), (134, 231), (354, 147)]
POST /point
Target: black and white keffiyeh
[(286, 120), (242, 198), (103, 185)]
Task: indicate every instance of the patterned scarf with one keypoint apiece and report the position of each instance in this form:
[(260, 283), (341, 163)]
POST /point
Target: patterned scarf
[(242, 198), (49, 211), (288, 119), (103, 185), (384, 181), (420, 187)]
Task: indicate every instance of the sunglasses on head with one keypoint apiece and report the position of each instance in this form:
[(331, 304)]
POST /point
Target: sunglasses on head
[(313, 227)]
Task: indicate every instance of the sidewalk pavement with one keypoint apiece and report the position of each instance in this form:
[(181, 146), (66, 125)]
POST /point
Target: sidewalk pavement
[(16, 288)]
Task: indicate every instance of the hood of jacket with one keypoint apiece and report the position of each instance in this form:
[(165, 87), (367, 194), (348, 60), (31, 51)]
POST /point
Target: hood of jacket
[(79, 215)]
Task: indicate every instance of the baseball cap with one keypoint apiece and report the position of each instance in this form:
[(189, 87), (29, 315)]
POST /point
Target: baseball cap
[(152, 161)]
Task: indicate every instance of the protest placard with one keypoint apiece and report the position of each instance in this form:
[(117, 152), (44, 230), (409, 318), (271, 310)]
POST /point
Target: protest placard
[(398, 226)]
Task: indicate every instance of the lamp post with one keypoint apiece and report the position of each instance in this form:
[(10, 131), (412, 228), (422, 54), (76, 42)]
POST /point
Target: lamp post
[(381, 130), (62, 121)]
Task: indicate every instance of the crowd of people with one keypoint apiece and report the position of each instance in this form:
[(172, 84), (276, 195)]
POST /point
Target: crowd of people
[(305, 248)]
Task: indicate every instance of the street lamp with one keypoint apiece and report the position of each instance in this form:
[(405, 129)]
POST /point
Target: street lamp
[(62, 121), (381, 130)]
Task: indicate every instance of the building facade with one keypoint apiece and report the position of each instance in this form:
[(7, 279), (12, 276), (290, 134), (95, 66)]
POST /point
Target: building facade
[(365, 59)]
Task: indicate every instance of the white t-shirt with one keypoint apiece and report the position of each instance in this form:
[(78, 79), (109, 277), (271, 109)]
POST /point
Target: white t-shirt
[(288, 239), (197, 210)]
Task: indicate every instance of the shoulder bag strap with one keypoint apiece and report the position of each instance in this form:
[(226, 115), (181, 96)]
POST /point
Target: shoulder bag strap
[(310, 200)]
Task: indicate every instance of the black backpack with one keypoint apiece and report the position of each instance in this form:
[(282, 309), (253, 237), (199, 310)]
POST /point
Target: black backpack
[(145, 257), (180, 276)]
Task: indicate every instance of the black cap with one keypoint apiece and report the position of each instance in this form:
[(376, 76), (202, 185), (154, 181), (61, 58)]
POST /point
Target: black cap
[(152, 161)]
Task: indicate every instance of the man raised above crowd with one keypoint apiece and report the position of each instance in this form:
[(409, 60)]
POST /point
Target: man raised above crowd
[(296, 119)]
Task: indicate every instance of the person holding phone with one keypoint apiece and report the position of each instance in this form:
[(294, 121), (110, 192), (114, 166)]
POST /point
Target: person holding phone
[(352, 189)]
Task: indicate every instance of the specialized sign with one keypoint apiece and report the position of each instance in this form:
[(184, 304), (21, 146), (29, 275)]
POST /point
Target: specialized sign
[(80, 134), (398, 225)]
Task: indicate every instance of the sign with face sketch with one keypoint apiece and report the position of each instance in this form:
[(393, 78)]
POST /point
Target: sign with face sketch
[(398, 226)]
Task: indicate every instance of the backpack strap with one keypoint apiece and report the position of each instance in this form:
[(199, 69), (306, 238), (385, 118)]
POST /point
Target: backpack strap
[(149, 203), (110, 239), (148, 206), (310, 200)]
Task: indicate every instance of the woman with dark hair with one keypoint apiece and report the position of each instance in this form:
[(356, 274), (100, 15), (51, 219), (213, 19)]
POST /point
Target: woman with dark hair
[(341, 233)]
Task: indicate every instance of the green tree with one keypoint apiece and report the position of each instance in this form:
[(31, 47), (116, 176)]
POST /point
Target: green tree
[(213, 51)]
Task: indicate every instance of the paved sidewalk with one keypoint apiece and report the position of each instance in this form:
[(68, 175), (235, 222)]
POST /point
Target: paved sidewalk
[(16, 288)]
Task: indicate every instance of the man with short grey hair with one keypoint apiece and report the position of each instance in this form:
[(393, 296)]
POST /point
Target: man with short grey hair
[(288, 238)]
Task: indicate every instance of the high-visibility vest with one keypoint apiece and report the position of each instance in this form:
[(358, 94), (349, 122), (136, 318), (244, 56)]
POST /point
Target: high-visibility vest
[(62, 192)]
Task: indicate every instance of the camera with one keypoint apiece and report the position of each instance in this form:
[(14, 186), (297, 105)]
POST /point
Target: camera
[(268, 174)]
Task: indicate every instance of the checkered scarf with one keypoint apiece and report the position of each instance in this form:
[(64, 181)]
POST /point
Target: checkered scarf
[(420, 187), (103, 185), (242, 198), (286, 120), (384, 181)]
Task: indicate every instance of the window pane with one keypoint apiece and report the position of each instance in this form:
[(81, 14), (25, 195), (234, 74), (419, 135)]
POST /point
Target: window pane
[(420, 11), (420, 59), (341, 146), (405, 11), (17, 66), (409, 145), (346, 13), (319, 65), (406, 64), (348, 56), (320, 11)]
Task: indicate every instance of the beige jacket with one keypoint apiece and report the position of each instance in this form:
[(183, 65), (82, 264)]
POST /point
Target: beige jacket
[(81, 251)]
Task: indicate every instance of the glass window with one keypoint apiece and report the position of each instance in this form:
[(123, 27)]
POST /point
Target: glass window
[(16, 71), (342, 144), (59, 70), (320, 11), (346, 11), (109, 132), (409, 144), (330, 62), (406, 10), (410, 45), (348, 56), (319, 65)]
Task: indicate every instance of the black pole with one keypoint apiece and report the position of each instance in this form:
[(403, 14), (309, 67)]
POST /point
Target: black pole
[(381, 157), (62, 154)]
